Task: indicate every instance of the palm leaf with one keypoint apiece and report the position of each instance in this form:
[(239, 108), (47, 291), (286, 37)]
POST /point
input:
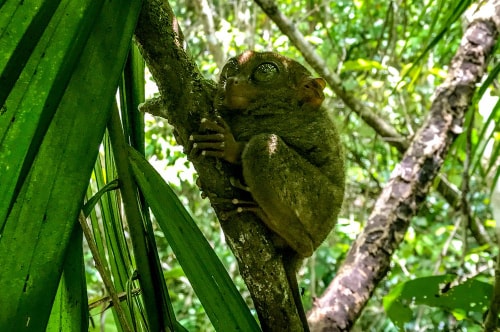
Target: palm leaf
[(52, 123), (221, 300)]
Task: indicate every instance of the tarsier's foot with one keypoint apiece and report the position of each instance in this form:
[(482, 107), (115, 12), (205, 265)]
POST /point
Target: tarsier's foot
[(237, 206)]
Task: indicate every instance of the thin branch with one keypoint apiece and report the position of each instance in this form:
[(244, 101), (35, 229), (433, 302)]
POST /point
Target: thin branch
[(368, 261), (107, 301), (105, 275), (207, 20)]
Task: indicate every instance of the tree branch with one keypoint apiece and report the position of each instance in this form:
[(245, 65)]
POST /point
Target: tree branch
[(186, 97), (368, 260)]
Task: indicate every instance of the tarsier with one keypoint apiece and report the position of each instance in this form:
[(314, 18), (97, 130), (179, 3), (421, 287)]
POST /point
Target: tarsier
[(272, 129)]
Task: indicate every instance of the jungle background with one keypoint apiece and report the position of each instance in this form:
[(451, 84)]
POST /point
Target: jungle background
[(390, 56)]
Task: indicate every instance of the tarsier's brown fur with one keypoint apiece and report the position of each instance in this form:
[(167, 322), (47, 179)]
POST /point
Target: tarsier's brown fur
[(271, 127)]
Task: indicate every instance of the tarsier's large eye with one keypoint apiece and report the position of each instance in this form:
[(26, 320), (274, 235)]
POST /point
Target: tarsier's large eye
[(265, 72)]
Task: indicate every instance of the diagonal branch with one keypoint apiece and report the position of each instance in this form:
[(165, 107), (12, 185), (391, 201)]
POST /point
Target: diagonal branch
[(368, 260), (207, 19)]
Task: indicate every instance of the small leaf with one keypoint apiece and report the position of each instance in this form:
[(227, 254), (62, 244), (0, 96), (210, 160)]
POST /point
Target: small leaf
[(437, 291)]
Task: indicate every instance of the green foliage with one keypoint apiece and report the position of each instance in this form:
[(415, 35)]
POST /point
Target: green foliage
[(50, 133), (468, 300)]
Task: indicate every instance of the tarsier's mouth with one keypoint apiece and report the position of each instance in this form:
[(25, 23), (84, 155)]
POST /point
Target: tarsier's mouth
[(236, 102), (234, 98)]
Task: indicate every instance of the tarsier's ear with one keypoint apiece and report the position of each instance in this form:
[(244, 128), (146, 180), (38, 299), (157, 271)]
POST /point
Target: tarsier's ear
[(311, 92), (320, 81)]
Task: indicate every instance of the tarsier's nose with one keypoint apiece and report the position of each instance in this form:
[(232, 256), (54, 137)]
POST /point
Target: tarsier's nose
[(234, 80)]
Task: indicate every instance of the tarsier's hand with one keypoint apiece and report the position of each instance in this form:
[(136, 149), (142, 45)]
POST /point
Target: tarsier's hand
[(219, 143)]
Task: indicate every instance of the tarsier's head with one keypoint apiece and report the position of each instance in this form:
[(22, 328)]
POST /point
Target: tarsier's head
[(254, 77)]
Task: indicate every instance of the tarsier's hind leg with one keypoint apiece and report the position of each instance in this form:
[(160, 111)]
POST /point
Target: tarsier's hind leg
[(294, 193)]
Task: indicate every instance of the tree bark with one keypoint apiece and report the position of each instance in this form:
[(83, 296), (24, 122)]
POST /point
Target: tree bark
[(368, 261)]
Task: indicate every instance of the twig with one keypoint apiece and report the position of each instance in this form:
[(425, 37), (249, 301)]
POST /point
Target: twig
[(105, 275), (107, 302)]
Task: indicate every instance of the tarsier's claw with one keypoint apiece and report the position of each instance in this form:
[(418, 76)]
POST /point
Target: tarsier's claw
[(235, 182)]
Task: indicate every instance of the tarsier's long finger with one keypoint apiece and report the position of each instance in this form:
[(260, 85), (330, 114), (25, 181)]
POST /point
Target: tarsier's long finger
[(213, 153), (198, 143), (256, 210), (238, 202), (207, 150), (221, 122), (206, 138), (211, 125), (216, 146)]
